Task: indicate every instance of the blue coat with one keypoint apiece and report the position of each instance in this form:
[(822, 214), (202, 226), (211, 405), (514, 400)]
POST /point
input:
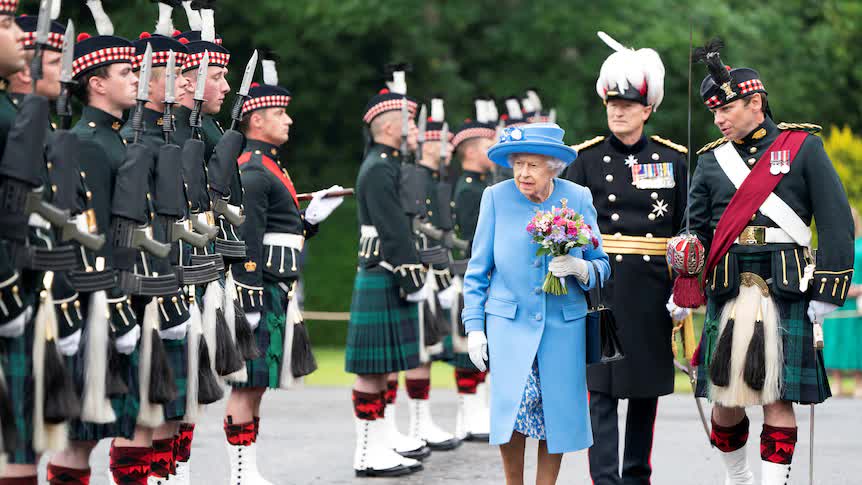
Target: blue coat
[(503, 297)]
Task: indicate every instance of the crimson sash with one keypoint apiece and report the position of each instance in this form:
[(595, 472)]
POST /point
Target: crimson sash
[(273, 167), (750, 196)]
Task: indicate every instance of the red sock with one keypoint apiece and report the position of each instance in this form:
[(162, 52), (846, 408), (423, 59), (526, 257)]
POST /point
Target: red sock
[(34, 480), (368, 406), (163, 454), (131, 465), (184, 442), (239, 434), (256, 427), (58, 475), (777, 444), (467, 380), (391, 391), (729, 438), (418, 388)]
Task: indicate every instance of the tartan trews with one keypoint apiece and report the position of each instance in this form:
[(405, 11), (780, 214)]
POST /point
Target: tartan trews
[(383, 332)]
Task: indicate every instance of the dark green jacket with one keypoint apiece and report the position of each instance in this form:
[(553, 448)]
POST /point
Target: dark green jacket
[(811, 188), (379, 205), (468, 197)]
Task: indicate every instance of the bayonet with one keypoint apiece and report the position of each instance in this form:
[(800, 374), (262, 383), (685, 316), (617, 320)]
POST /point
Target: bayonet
[(143, 95), (170, 98), (200, 87), (405, 125), (422, 125), (64, 109), (242, 94), (43, 31), (444, 150)]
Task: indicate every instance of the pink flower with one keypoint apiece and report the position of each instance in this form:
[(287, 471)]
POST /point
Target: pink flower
[(595, 241), (531, 227), (558, 221)]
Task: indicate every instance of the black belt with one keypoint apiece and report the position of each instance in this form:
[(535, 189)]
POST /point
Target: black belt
[(230, 249), (459, 267), (216, 259), (197, 274), (63, 258), (89, 281), (434, 255), (135, 284)]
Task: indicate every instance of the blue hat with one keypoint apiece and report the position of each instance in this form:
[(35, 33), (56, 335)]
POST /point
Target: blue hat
[(538, 138)]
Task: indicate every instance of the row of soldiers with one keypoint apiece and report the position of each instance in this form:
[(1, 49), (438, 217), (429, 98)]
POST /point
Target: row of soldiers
[(147, 256)]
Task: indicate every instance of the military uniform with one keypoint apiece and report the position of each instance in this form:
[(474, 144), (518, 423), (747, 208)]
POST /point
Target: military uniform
[(639, 192), (752, 201)]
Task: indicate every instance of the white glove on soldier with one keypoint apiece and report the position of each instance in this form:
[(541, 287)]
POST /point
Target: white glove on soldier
[(320, 207), (676, 313), (448, 297), (477, 347), (68, 346), (177, 332), (562, 266), (126, 343), (418, 296), (15, 327), (253, 320), (817, 310)]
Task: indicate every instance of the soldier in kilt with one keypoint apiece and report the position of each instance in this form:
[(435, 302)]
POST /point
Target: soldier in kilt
[(767, 295), (275, 231), (383, 333), (471, 143), (639, 188), (435, 326)]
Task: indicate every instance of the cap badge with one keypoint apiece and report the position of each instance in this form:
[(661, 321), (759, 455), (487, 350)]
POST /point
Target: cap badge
[(728, 90)]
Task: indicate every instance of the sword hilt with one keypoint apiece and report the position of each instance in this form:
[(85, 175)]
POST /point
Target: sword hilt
[(195, 117), (236, 112)]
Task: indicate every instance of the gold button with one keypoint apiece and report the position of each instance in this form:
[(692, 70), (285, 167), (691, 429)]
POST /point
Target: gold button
[(89, 195), (395, 153), (53, 188), (619, 258), (257, 152), (452, 204), (752, 161), (49, 165), (382, 155), (752, 150), (427, 201), (609, 178), (91, 124), (119, 306), (274, 152), (651, 216), (83, 175), (430, 213), (469, 180), (753, 217)]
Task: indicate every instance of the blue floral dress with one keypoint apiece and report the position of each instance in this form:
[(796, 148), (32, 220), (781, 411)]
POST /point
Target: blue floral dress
[(530, 420)]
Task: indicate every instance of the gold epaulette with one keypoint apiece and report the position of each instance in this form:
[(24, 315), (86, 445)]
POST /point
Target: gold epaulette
[(588, 143), (809, 127), (709, 146), (668, 143)]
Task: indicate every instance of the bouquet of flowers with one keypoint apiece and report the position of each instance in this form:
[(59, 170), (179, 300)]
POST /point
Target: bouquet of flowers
[(558, 231)]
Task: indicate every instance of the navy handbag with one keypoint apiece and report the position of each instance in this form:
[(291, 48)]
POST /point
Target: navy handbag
[(603, 343)]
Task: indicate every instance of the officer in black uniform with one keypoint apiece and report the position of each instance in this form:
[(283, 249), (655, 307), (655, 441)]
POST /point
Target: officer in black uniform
[(638, 185)]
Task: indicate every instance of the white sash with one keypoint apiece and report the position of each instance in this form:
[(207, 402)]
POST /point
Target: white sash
[(774, 208)]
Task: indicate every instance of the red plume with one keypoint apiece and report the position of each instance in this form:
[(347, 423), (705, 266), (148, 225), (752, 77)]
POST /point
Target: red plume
[(383, 91), (83, 36), (144, 35)]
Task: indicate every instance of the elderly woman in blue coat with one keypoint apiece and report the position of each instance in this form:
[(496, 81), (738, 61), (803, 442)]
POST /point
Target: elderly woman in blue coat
[(534, 341)]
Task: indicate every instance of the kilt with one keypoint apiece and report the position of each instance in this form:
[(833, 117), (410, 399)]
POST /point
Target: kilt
[(176, 352), (17, 358), (804, 377), (265, 371), (383, 333), (126, 407)]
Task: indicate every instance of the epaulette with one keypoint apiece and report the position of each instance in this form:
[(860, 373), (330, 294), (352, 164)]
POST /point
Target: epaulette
[(588, 143), (668, 143), (709, 146), (809, 127)]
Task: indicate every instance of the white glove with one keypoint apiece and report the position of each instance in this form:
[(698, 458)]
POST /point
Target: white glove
[(253, 320), (817, 310), (477, 347), (418, 296), (562, 266), (676, 313), (448, 297), (68, 346), (126, 343), (320, 207), (15, 327), (177, 332)]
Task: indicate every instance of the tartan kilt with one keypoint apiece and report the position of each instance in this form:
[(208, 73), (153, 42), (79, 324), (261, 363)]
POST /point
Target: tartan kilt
[(177, 360), (126, 407), (804, 378), (383, 333), (265, 371), (17, 358)]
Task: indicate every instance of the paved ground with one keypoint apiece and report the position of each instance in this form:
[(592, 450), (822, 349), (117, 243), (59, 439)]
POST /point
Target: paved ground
[(307, 438)]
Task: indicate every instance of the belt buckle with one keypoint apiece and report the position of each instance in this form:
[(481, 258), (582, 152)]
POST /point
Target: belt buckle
[(753, 236)]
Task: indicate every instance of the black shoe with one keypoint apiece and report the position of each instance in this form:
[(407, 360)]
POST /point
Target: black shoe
[(396, 471), (483, 437), (445, 445), (417, 454)]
